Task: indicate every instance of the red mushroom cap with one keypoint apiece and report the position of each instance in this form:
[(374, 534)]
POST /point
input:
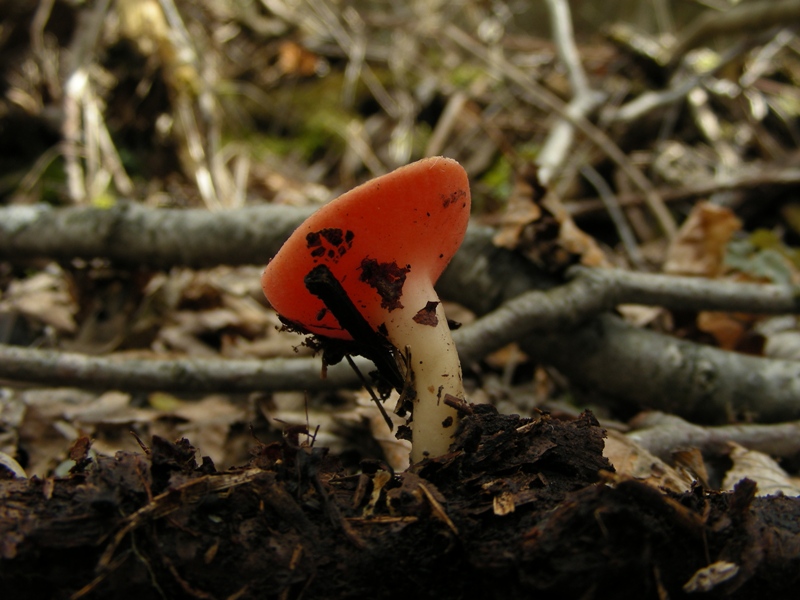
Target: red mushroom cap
[(399, 228)]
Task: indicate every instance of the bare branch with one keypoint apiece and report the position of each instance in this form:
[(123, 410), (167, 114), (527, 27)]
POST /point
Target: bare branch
[(595, 291), (134, 235), (53, 368), (637, 368), (558, 327), (663, 434), (641, 368)]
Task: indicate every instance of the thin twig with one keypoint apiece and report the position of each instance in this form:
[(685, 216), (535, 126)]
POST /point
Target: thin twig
[(749, 177), (548, 100), (584, 99), (626, 235)]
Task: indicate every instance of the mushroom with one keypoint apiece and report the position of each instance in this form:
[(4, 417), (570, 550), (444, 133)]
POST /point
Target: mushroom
[(362, 269)]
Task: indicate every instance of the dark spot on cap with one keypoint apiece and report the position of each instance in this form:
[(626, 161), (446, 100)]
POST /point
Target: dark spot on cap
[(312, 239), (330, 241), (427, 315), (334, 236), (454, 197), (385, 278), (447, 422)]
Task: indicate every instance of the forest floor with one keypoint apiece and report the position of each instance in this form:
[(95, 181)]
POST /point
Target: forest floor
[(627, 292)]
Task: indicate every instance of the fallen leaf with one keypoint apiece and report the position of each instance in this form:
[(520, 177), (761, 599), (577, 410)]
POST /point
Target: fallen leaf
[(700, 245), (110, 408), (631, 459), (761, 468), (294, 59), (536, 224), (206, 422), (44, 297), (709, 577), (726, 329)]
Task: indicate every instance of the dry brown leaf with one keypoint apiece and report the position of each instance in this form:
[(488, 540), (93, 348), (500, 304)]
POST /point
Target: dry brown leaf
[(294, 59), (207, 423), (215, 312), (691, 461), (44, 297), (536, 223), (724, 327), (518, 215), (44, 433), (699, 247), (110, 408), (631, 459), (576, 242), (12, 413), (9, 465), (292, 408), (761, 468)]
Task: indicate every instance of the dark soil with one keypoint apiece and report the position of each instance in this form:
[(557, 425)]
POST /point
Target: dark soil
[(518, 509)]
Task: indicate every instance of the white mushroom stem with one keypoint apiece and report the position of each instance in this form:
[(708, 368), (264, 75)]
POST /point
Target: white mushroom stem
[(434, 369)]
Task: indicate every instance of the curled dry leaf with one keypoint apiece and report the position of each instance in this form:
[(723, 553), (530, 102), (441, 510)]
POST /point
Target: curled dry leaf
[(213, 312), (110, 408), (629, 458), (536, 223), (294, 59), (206, 422), (699, 248), (761, 468), (709, 577), (727, 329), (44, 297)]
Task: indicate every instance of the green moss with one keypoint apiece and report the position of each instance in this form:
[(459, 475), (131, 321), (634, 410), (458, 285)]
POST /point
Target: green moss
[(499, 178), (763, 255)]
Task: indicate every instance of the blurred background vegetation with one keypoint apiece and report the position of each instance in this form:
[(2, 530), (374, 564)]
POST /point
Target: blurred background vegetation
[(222, 103)]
